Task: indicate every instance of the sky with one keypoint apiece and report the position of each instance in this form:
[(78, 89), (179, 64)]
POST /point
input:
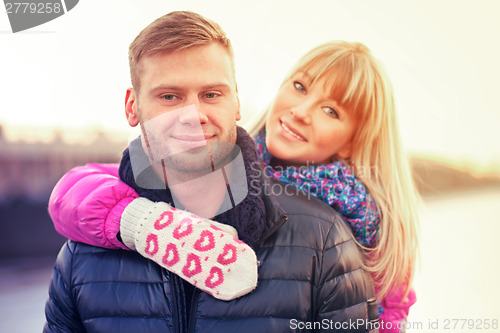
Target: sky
[(442, 57)]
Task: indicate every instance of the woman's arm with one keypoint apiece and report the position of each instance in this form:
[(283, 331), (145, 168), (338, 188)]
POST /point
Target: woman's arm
[(396, 309), (91, 205), (87, 203)]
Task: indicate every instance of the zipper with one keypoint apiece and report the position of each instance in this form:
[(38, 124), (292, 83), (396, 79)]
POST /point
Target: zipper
[(271, 231), (192, 311), (177, 295)]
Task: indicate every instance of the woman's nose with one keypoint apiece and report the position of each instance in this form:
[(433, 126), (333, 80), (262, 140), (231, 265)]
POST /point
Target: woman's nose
[(302, 111)]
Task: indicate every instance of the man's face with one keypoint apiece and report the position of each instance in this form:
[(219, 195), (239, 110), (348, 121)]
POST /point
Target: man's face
[(187, 99)]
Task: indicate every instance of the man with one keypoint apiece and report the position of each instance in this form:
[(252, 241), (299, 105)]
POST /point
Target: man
[(310, 274)]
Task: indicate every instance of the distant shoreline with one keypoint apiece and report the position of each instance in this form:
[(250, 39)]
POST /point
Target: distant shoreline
[(434, 178)]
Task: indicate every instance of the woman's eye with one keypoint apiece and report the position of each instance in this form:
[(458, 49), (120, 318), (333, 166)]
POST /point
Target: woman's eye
[(299, 87), (331, 112)]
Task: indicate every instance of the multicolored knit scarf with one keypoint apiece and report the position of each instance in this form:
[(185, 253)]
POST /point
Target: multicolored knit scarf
[(335, 184)]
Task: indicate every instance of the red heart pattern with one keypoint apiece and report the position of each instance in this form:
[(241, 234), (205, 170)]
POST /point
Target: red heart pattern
[(171, 256), (215, 228), (201, 254), (185, 228), (212, 281), (169, 216), (205, 242), (151, 240), (188, 270), (228, 255)]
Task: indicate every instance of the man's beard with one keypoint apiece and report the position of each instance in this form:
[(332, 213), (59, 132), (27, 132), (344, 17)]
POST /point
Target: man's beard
[(196, 161), (175, 141)]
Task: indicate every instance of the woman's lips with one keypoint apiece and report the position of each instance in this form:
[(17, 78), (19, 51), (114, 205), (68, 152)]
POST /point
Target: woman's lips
[(291, 132)]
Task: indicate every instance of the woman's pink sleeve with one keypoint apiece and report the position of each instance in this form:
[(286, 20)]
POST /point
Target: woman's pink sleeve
[(87, 203), (396, 309)]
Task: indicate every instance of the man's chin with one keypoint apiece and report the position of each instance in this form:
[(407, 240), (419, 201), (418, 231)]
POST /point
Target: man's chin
[(194, 163), (193, 160)]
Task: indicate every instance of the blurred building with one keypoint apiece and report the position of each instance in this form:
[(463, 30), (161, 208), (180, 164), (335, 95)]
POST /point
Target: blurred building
[(30, 170)]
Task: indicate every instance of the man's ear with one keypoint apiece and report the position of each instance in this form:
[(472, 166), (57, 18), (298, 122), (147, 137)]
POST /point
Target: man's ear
[(131, 107), (238, 114)]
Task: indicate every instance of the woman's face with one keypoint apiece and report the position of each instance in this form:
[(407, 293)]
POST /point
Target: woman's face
[(306, 125)]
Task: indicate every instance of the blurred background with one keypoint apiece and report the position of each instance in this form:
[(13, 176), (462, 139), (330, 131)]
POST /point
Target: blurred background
[(62, 88)]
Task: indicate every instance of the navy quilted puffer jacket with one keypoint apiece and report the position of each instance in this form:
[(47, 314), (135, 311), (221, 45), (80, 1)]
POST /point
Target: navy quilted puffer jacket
[(310, 279)]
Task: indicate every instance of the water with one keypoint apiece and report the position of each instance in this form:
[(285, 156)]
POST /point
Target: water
[(23, 292), (457, 283)]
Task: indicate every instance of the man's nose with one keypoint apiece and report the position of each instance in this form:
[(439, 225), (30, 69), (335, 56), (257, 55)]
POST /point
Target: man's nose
[(195, 115)]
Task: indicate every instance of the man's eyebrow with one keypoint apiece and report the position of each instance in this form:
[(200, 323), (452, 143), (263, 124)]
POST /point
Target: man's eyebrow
[(165, 87), (215, 85), (179, 88)]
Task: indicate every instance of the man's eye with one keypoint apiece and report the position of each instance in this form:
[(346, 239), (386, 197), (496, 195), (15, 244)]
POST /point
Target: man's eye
[(299, 87), (331, 112), (169, 97), (210, 95)]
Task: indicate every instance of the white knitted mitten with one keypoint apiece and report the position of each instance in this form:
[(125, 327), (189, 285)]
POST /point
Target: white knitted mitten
[(205, 253)]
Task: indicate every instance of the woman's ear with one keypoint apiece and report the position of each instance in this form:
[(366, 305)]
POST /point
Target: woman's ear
[(131, 107), (346, 151)]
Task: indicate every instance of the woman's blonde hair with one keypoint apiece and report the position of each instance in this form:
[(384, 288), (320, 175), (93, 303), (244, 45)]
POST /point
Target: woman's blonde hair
[(359, 84)]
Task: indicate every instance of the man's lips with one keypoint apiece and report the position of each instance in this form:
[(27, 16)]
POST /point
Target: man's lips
[(292, 131), (191, 141), (186, 137)]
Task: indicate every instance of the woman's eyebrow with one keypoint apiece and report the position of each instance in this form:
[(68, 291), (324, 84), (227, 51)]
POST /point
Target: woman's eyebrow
[(305, 74)]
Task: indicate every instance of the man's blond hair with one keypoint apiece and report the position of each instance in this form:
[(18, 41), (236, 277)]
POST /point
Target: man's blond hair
[(174, 32)]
